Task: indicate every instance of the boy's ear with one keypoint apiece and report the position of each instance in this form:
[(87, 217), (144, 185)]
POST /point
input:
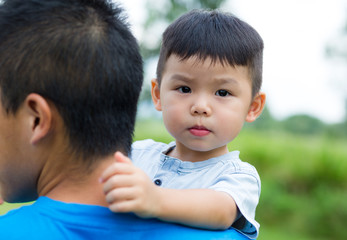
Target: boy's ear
[(155, 92), (39, 117), (256, 107)]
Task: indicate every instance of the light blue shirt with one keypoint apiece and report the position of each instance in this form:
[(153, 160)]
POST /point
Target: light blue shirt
[(226, 173)]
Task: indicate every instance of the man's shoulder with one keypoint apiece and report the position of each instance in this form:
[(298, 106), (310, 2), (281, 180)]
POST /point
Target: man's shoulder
[(19, 224), (29, 223), (173, 232), (40, 220), (15, 215), (9, 217)]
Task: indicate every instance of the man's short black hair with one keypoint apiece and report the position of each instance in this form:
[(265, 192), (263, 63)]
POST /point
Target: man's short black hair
[(215, 34), (81, 56)]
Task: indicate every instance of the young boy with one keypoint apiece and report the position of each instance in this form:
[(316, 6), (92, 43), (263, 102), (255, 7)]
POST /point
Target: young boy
[(208, 79)]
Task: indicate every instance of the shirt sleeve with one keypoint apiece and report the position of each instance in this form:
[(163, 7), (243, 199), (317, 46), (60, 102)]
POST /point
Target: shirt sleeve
[(244, 188)]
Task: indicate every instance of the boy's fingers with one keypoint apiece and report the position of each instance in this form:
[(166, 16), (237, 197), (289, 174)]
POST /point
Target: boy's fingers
[(120, 194), (123, 165), (115, 168), (123, 206), (120, 157), (118, 181)]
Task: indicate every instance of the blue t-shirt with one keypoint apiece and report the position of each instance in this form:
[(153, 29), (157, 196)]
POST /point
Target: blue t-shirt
[(226, 173), (54, 220)]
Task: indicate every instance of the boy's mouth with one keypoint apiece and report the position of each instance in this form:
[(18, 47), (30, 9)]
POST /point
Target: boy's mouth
[(199, 131)]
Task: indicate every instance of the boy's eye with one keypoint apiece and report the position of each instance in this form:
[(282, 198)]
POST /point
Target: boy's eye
[(222, 93), (184, 89)]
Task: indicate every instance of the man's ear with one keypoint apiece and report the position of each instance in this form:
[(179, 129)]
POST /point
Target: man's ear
[(155, 92), (40, 117), (256, 107)]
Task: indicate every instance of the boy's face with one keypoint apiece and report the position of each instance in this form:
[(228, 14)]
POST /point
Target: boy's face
[(204, 104)]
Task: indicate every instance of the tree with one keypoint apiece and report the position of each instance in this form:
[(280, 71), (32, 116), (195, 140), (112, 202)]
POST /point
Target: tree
[(303, 124), (264, 122), (337, 52)]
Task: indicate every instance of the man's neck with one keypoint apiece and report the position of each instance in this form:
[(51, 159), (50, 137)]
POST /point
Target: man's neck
[(68, 187)]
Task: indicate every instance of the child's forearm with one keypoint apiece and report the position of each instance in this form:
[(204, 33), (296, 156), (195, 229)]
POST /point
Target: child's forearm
[(129, 189), (203, 208)]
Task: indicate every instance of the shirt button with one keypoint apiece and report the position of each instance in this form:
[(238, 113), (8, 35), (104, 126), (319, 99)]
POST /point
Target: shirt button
[(157, 182)]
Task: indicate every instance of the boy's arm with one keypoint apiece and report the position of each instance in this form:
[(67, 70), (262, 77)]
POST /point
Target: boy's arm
[(203, 208), (129, 189)]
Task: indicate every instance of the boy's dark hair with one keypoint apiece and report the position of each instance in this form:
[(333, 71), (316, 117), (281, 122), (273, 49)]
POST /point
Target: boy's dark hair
[(81, 56), (215, 34)]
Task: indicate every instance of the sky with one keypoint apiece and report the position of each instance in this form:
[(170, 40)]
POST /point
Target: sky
[(298, 78)]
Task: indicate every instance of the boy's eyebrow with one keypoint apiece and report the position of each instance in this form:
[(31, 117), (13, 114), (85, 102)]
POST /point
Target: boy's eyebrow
[(226, 80), (181, 77), (218, 80)]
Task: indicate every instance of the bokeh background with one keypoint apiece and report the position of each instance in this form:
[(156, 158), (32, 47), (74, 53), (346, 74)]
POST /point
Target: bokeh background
[(299, 144)]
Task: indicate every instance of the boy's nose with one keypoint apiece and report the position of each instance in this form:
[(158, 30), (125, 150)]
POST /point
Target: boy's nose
[(201, 107)]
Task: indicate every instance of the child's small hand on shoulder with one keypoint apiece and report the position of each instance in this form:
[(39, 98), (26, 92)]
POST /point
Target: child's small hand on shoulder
[(129, 189)]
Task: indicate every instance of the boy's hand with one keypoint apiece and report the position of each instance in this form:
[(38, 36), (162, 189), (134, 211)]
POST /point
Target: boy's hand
[(129, 189)]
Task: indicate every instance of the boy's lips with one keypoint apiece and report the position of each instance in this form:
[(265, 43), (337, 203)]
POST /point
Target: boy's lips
[(199, 131)]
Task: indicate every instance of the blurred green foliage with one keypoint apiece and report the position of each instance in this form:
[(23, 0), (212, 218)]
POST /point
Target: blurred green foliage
[(304, 185), (300, 124)]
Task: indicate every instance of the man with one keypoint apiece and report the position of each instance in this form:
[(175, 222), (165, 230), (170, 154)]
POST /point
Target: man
[(70, 77)]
